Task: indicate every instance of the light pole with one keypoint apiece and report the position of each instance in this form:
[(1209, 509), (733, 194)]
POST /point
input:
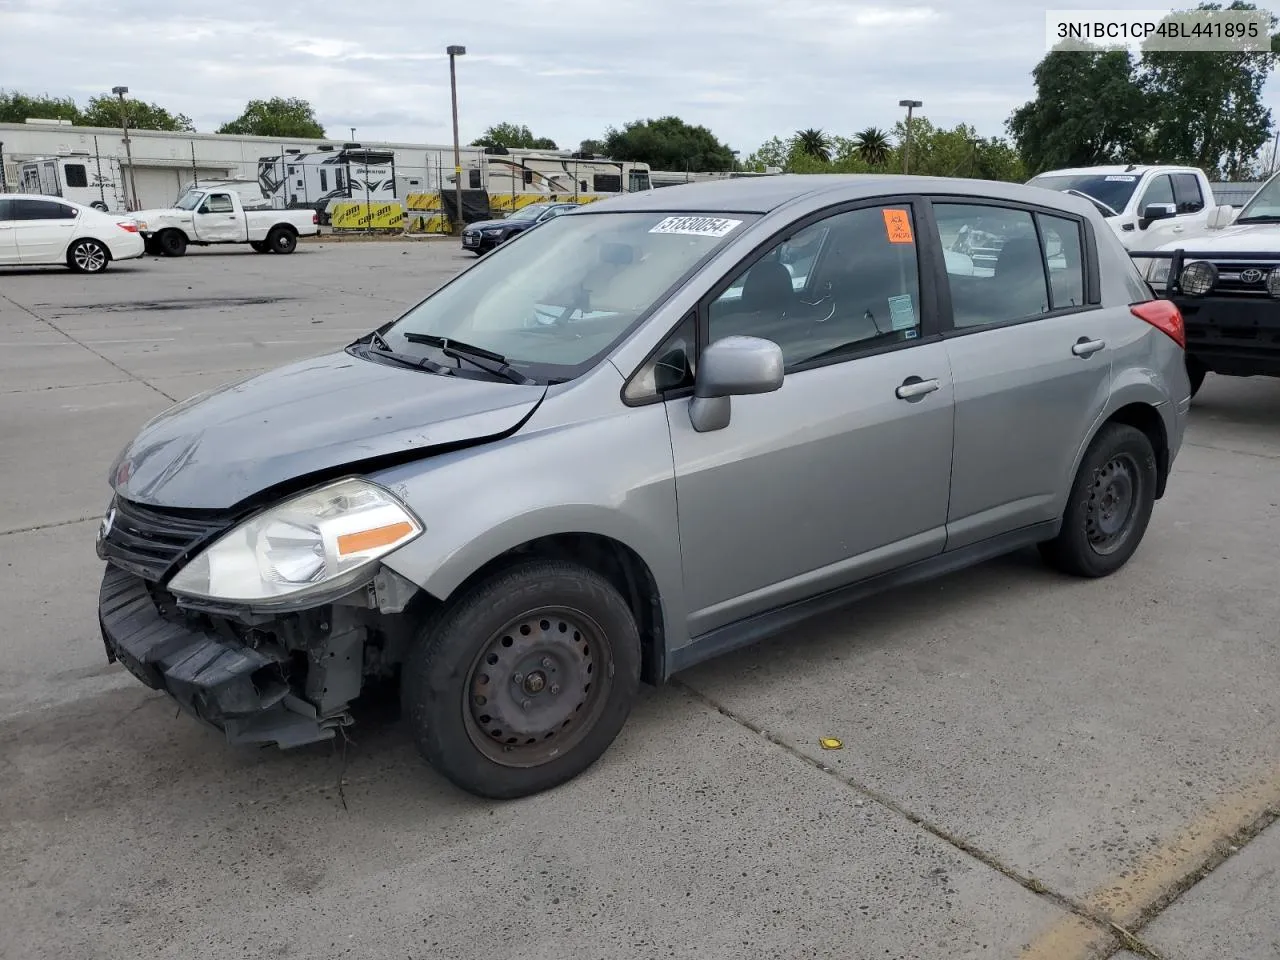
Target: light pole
[(353, 134), (128, 150), (454, 52), (906, 155)]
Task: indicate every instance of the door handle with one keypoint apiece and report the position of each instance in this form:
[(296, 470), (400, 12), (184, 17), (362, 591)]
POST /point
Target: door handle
[(914, 388), (1084, 347)]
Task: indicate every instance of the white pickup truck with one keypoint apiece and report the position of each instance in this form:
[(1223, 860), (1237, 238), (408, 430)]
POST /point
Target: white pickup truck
[(216, 215), (1146, 205)]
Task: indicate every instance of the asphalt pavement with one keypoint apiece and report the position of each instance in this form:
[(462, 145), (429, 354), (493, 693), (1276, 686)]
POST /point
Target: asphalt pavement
[(1031, 766)]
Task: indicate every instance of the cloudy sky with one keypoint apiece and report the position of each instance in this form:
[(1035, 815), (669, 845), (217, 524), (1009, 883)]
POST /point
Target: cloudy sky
[(748, 69)]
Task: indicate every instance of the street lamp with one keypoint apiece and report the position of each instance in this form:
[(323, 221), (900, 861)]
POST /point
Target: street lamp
[(454, 51), (128, 150), (906, 156)]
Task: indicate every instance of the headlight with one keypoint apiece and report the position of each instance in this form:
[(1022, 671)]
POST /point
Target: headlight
[(1158, 273), (323, 541), (493, 232), (1198, 278), (142, 225)]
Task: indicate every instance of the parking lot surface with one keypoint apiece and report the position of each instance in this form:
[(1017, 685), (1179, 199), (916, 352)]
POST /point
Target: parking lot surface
[(1031, 765)]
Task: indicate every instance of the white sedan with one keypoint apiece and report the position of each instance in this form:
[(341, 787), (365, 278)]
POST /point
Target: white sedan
[(36, 229)]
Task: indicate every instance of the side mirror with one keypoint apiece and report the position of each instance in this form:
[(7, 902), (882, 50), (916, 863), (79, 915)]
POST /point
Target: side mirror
[(732, 366), (1157, 211), (1221, 216)]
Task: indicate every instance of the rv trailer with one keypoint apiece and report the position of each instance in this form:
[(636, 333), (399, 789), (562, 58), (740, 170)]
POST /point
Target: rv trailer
[(94, 181)]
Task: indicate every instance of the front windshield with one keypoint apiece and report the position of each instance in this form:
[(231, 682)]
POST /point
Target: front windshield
[(1263, 205), (1113, 189), (552, 307), (190, 200)]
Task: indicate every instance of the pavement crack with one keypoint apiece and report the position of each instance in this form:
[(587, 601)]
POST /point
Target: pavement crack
[(80, 343), (984, 857), (49, 526), (1239, 453)]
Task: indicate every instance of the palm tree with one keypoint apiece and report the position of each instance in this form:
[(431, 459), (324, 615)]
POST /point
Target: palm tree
[(815, 144), (873, 146)]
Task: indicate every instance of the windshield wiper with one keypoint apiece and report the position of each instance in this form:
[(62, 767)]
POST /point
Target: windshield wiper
[(486, 360), (379, 346), (1260, 218)]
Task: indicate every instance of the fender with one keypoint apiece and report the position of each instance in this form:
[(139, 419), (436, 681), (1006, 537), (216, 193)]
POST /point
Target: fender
[(541, 483), (1131, 385)]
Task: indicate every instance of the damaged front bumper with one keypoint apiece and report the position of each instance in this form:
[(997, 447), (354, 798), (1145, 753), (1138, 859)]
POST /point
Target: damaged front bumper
[(248, 684)]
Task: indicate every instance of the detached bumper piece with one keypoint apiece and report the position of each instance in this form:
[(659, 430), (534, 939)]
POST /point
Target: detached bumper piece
[(217, 679)]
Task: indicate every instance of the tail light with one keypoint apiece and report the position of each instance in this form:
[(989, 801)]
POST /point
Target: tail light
[(1165, 316), (315, 218), (129, 225)]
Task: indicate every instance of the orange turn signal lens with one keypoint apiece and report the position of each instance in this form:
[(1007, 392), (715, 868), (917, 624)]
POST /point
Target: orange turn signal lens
[(350, 543)]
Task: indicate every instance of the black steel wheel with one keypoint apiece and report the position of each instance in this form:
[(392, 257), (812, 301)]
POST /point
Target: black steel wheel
[(172, 243), (87, 256), (282, 240), (1110, 504), (523, 683)]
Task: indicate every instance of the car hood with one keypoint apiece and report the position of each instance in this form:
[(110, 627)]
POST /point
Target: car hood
[(486, 224), (220, 447), (1244, 238)]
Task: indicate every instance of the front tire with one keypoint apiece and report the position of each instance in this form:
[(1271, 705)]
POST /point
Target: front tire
[(282, 241), (172, 243), (87, 256), (1110, 506), (525, 681)]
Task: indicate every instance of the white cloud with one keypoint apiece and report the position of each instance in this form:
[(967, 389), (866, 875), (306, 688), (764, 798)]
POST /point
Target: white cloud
[(569, 69)]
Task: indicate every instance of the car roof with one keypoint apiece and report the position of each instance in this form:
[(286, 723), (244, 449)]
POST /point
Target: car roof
[(1114, 168), (44, 196), (765, 194)]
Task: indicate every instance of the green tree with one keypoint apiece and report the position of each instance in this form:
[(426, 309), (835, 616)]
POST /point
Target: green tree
[(774, 152), (1089, 109), (291, 118), (18, 107), (513, 136), (593, 147), (1207, 106), (668, 143), (873, 146), (815, 144), (105, 109)]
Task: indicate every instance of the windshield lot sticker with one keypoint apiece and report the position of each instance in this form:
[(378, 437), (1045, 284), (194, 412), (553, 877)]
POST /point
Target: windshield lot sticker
[(1117, 178), (697, 226), (897, 224), (902, 313)]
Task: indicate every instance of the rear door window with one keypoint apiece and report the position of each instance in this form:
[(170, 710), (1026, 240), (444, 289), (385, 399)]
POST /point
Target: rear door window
[(1186, 193), (42, 210)]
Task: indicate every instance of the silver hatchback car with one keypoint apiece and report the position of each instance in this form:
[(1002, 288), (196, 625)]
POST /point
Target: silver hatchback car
[(669, 425)]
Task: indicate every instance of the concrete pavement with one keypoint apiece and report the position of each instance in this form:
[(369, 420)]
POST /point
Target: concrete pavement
[(1031, 766)]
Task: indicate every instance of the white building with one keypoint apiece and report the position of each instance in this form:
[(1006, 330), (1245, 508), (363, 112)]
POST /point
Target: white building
[(165, 163)]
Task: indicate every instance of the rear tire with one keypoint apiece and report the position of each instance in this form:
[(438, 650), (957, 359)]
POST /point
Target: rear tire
[(87, 256), (172, 243), (1110, 505), (282, 240), (525, 681), (259, 246), (1195, 373)]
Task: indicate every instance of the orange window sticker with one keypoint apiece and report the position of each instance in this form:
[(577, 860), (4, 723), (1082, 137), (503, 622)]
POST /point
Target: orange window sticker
[(897, 224)]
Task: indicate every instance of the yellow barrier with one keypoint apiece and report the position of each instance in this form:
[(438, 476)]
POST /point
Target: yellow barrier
[(419, 202), (355, 215), (429, 223), (426, 210)]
